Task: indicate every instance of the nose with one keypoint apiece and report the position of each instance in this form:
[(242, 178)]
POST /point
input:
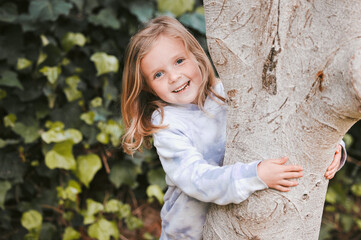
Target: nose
[(173, 76)]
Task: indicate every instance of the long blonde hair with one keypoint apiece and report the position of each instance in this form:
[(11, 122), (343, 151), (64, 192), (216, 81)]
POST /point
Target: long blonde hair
[(138, 101)]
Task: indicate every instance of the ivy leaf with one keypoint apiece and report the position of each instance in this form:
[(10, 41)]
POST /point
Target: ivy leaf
[(110, 92), (70, 192), (71, 39), (71, 234), (195, 21), (51, 73), (9, 120), (157, 177), (93, 208), (11, 167), (28, 133), (113, 206), (88, 117), (71, 92), (45, 10), (356, 189), (31, 220), (112, 129), (6, 142), (8, 12), (133, 223), (96, 102), (155, 191), (10, 79), (4, 187), (104, 63), (87, 167), (103, 230), (3, 94), (106, 18), (61, 156), (56, 134), (124, 173), (143, 10), (23, 63), (177, 7)]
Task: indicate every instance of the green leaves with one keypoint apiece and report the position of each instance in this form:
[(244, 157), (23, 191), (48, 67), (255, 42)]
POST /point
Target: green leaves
[(87, 166), (124, 173), (23, 63), (195, 21), (4, 187), (10, 79), (71, 234), (51, 73), (59, 98), (32, 221), (8, 12), (71, 92), (48, 10), (61, 156), (104, 63), (105, 18), (71, 39), (155, 191), (93, 208), (57, 134), (70, 192), (103, 230), (177, 7)]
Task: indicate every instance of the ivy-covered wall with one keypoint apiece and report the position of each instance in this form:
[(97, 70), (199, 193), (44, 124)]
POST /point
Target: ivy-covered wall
[(63, 174)]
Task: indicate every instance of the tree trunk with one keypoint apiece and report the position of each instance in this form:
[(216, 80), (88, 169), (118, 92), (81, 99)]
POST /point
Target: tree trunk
[(292, 74)]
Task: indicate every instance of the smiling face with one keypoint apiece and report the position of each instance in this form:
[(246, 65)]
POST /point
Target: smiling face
[(171, 71)]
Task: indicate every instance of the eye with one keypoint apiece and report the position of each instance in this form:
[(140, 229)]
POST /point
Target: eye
[(180, 60), (158, 75)]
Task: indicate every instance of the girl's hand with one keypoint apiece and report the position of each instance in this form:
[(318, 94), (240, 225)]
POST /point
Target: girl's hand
[(332, 169), (278, 176)]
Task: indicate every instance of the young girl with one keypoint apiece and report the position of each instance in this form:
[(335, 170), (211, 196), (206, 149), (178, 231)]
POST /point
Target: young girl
[(170, 92)]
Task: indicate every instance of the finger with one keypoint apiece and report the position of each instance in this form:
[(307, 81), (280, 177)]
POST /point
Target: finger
[(293, 168), (335, 162), (289, 175), (330, 176), (288, 183), (282, 189), (280, 161), (330, 173)]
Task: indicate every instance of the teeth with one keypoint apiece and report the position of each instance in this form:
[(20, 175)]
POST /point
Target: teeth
[(182, 87)]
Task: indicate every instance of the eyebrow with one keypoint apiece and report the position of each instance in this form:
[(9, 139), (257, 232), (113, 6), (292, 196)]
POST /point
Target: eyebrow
[(182, 54)]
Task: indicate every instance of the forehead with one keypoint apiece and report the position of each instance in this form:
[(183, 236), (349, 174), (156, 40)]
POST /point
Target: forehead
[(163, 50)]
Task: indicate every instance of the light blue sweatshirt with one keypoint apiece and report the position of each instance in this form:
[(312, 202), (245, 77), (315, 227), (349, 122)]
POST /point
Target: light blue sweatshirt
[(191, 151)]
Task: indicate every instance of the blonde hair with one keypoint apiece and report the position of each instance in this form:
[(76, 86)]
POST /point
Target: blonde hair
[(138, 102)]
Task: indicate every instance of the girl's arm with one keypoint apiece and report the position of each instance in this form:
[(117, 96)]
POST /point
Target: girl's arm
[(186, 169)]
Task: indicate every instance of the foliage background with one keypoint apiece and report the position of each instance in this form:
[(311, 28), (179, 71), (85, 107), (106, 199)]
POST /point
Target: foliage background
[(63, 174)]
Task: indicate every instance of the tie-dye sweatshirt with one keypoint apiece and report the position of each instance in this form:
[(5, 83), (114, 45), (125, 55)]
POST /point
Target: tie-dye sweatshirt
[(191, 151)]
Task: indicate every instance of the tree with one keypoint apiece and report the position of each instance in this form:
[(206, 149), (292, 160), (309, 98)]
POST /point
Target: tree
[(292, 74)]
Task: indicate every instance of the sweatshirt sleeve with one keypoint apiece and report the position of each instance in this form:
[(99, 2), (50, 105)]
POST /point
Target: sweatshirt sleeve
[(343, 155), (187, 170)]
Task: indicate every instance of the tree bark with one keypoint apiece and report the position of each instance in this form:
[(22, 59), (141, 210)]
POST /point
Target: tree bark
[(292, 74)]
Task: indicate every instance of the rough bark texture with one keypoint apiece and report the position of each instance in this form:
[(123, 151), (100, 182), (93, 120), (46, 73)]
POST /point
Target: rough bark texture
[(292, 73)]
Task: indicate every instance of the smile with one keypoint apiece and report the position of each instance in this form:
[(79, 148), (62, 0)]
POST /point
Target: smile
[(181, 88)]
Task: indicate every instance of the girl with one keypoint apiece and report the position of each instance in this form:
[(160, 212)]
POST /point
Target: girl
[(170, 91)]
